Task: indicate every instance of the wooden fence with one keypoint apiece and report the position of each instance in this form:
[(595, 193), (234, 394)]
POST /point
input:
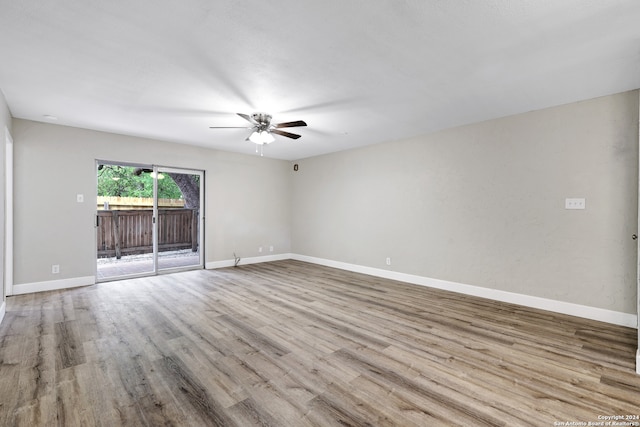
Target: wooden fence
[(129, 232), (130, 203)]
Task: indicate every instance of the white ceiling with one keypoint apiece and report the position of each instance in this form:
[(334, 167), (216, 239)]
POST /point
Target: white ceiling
[(358, 72)]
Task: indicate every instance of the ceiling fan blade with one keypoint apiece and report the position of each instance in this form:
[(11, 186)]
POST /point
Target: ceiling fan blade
[(229, 127), (297, 123), (287, 134), (247, 118)]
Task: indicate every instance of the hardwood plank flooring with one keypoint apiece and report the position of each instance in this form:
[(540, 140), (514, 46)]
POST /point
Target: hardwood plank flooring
[(294, 344)]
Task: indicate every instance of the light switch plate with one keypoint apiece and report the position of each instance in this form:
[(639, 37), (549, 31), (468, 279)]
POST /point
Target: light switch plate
[(575, 203)]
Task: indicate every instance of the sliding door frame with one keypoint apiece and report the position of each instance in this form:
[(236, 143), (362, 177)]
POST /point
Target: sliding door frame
[(200, 221), (153, 231), (155, 220)]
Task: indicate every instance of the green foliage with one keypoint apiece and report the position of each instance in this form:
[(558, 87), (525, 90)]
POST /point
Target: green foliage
[(120, 181)]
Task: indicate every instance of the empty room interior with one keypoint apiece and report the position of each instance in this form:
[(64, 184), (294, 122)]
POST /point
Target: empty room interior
[(413, 213)]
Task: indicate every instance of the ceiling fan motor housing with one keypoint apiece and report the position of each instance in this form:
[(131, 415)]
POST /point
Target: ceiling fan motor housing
[(262, 119)]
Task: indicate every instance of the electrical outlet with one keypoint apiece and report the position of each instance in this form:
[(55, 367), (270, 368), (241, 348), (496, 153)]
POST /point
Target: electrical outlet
[(260, 249), (270, 248), (80, 198), (55, 269), (388, 261), (575, 203)]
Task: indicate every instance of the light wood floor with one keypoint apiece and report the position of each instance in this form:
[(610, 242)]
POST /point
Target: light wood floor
[(293, 344)]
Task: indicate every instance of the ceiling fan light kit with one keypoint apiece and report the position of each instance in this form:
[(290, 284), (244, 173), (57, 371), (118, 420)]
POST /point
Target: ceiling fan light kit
[(263, 130), (261, 137)]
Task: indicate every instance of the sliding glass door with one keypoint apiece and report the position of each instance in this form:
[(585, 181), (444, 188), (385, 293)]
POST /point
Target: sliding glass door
[(149, 219)]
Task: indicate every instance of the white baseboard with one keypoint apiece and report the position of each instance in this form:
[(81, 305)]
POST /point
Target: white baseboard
[(244, 261), (53, 285), (638, 361), (3, 310), (593, 313)]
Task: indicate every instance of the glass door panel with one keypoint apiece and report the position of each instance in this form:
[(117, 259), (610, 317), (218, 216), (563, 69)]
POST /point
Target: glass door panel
[(124, 221), (179, 213)]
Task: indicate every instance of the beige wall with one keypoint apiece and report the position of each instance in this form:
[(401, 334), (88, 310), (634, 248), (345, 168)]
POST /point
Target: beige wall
[(247, 197), (484, 204)]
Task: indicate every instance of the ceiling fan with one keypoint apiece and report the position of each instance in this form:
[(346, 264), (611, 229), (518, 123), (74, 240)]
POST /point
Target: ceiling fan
[(263, 129)]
